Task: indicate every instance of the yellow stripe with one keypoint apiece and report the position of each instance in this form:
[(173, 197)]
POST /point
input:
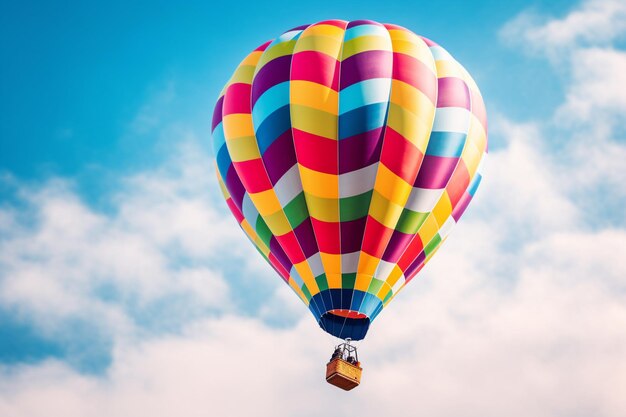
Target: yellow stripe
[(276, 51), (277, 223), (243, 149), (391, 186), (314, 121), (362, 281), (363, 44), (447, 68), (367, 264), (428, 230), (323, 30), (443, 209), (314, 95), (323, 44), (236, 126), (332, 267), (384, 211), (416, 129), (333, 280), (266, 202), (410, 98), (325, 209), (307, 276), (319, 184)]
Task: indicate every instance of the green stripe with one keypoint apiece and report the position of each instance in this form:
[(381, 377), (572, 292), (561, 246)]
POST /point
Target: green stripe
[(355, 207), (296, 210), (263, 231), (410, 221), (306, 292), (375, 286), (432, 245), (348, 280), (322, 282)]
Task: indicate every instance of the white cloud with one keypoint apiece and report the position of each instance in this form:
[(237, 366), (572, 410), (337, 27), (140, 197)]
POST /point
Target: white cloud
[(596, 92), (62, 260), (595, 22)]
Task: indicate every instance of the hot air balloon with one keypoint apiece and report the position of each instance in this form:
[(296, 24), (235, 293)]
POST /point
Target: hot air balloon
[(347, 151)]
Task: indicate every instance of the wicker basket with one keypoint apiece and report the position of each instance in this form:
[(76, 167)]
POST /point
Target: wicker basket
[(343, 374)]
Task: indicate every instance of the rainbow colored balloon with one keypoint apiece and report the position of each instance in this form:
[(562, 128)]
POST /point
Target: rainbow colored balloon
[(347, 151)]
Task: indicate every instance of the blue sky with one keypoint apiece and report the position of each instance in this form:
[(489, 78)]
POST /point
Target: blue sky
[(124, 282)]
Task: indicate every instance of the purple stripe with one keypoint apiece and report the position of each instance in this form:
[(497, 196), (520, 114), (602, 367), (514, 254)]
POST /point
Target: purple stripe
[(280, 254), (235, 187), (435, 172), (414, 265), (453, 92), (397, 245), (306, 238), (279, 157), (274, 72), (460, 207), (359, 151), (362, 22), (298, 28), (217, 113), (352, 235), (364, 66)]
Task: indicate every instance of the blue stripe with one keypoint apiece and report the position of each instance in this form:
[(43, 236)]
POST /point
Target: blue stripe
[(270, 101), (474, 185), (362, 120), (218, 138), (374, 90), (223, 161), (449, 144), (365, 30), (272, 127)]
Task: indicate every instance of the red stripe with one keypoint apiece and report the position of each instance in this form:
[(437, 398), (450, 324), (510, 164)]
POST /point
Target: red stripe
[(237, 99), (414, 72), (233, 209), (290, 245), (458, 183), (253, 176), (316, 67), (327, 235), (263, 46), (316, 152), (411, 253), (375, 238), (333, 22), (401, 156)]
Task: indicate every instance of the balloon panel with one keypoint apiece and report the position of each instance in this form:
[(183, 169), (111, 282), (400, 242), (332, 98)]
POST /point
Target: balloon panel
[(347, 151)]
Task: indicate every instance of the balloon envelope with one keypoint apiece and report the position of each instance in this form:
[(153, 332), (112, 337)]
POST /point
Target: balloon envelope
[(347, 151)]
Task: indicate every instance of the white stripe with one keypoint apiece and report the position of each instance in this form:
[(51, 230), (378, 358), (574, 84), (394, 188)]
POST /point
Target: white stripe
[(423, 200), (440, 54), (288, 186), (399, 283), (296, 277), (315, 262), (451, 119), (357, 182), (350, 262), (249, 211), (446, 227), (384, 270)]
